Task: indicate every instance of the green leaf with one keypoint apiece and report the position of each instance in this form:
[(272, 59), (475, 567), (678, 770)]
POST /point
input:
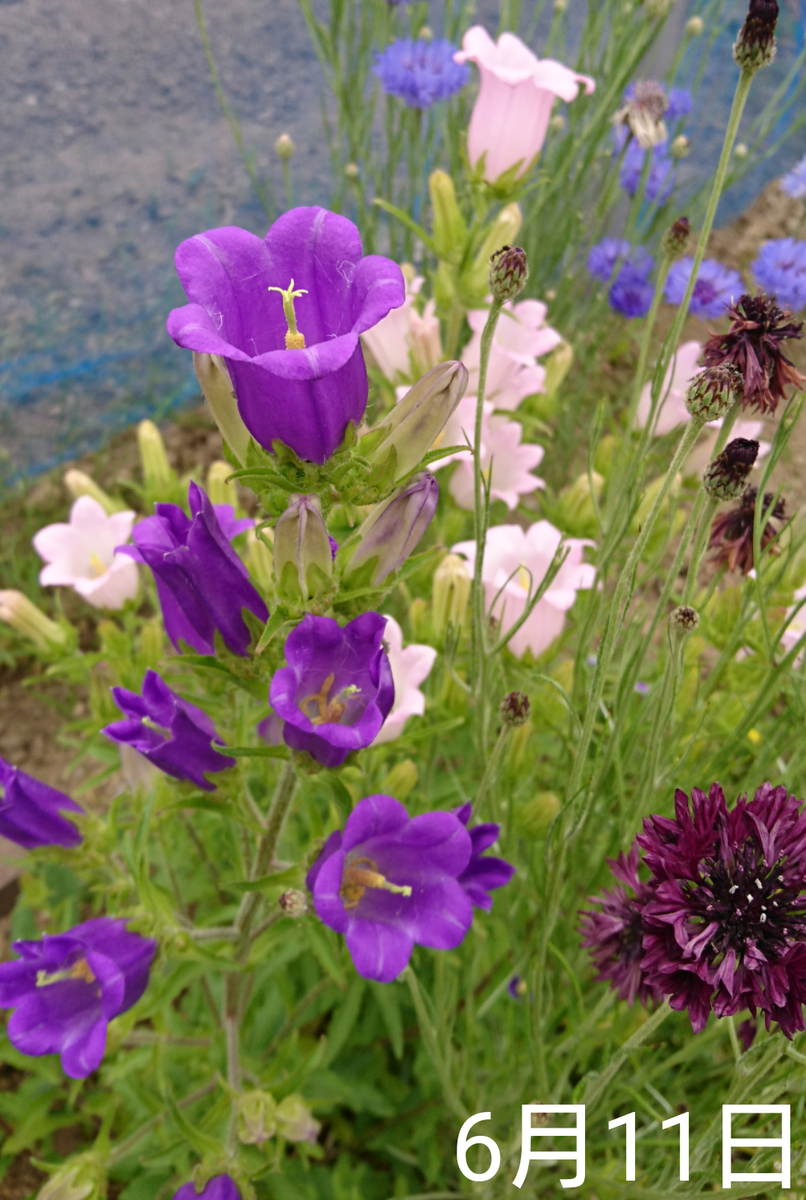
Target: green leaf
[(386, 997), (276, 621), (318, 945), (406, 220), (292, 877), (344, 1020), (202, 1143)]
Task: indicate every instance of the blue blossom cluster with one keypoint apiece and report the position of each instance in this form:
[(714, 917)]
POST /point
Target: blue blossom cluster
[(421, 72), (715, 287), (794, 182), (780, 269), (660, 177), (630, 291)]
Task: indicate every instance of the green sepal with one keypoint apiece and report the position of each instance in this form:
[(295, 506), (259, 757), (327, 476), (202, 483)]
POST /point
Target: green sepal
[(275, 623)]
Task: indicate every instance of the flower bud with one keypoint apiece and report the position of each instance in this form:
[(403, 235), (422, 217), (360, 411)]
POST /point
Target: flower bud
[(557, 123), (219, 490), (514, 709), (537, 814), (740, 150), (426, 34), (448, 224), (80, 1178), (557, 364), (680, 146), (352, 170), (452, 584), (294, 903), (214, 381), (21, 614), (576, 509), (503, 231), (303, 558), (401, 780), (695, 26), (257, 1118), (726, 477), (509, 271), (80, 484), (260, 558), (755, 46), (418, 617), (413, 425), (714, 391), (674, 242), (294, 1121), (393, 529), (284, 147), (684, 619), (157, 471)]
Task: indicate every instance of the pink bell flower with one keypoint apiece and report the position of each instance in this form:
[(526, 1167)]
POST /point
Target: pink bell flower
[(81, 555), (405, 338), (502, 454), (511, 555), (521, 337), (511, 115), (410, 667)]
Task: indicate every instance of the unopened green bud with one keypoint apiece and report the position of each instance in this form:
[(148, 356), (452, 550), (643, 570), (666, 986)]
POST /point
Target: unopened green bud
[(294, 903), (452, 584), (449, 226), (674, 242), (695, 26), (557, 365), (726, 477), (219, 487), (415, 424), (257, 1118), (418, 618), (503, 231), (576, 509), (426, 33), (352, 170), (157, 471), (78, 483), (401, 780), (294, 1121), (714, 391), (755, 46), (557, 123), (741, 150), (393, 529), (81, 1178), (23, 615), (680, 146), (606, 453), (303, 558), (509, 271), (537, 814), (216, 385), (284, 147), (260, 558)]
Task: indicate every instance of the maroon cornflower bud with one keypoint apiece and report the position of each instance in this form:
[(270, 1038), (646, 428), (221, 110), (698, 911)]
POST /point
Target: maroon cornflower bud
[(509, 271), (684, 619), (615, 936), (755, 46), (713, 391), (725, 478), (732, 531), (753, 344), (514, 709), (674, 242), (725, 927)]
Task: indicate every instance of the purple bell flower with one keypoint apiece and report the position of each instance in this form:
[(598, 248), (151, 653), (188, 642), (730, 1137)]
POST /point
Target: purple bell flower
[(482, 875), (171, 733), (304, 395), (30, 811), (220, 1187), (67, 987), (391, 882), (337, 689), (201, 583)]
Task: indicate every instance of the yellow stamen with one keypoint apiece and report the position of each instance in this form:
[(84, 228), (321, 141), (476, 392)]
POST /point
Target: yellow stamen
[(79, 970), (97, 565), (356, 879), (329, 710), (294, 340), (523, 579)]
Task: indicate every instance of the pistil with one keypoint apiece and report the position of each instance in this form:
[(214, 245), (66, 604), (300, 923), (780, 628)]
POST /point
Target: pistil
[(356, 879), (294, 340)]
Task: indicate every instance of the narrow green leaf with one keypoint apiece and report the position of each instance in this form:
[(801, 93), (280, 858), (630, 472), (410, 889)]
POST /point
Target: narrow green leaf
[(317, 944)]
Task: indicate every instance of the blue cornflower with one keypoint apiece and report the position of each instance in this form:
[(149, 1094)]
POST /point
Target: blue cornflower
[(681, 103), (715, 287), (631, 294), (780, 270), (794, 182), (606, 255), (421, 72), (660, 178)]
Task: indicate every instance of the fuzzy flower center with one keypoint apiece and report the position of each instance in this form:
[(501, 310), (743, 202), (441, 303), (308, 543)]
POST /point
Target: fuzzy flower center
[(79, 970), (327, 708), (362, 873), (749, 905), (294, 340)]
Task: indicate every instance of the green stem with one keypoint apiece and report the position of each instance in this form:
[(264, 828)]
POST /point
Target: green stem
[(700, 546), (601, 1081), (491, 770), (281, 803)]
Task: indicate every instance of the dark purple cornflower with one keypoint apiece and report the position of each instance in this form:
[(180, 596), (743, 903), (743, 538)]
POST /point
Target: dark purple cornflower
[(304, 384), (726, 926), (732, 531), (794, 182), (753, 345), (714, 290), (631, 294), (220, 1187), (780, 270), (337, 689), (30, 811), (610, 253), (67, 987), (421, 71), (615, 935), (391, 882), (201, 582), (171, 733), (482, 875)]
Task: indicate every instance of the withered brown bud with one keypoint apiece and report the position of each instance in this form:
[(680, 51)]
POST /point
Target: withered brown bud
[(293, 903), (674, 242), (726, 477), (684, 619), (755, 46)]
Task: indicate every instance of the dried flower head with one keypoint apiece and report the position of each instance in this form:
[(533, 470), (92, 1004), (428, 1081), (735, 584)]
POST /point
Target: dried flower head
[(753, 344), (755, 46), (726, 476), (684, 619), (514, 709), (643, 113), (732, 531)]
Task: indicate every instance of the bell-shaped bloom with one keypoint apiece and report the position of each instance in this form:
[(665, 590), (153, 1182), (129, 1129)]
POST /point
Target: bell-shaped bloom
[(672, 409), (513, 554), (484, 873), (303, 550), (505, 462), (84, 554), (410, 667), (418, 420), (171, 733), (337, 689), (511, 115), (30, 811), (305, 395), (389, 341), (201, 583), (391, 882), (67, 987), (220, 1187), (521, 337), (394, 528)]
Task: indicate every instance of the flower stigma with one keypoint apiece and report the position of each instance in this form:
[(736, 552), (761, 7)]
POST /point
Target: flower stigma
[(79, 970), (294, 340), (356, 879), (329, 710), (97, 566)]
